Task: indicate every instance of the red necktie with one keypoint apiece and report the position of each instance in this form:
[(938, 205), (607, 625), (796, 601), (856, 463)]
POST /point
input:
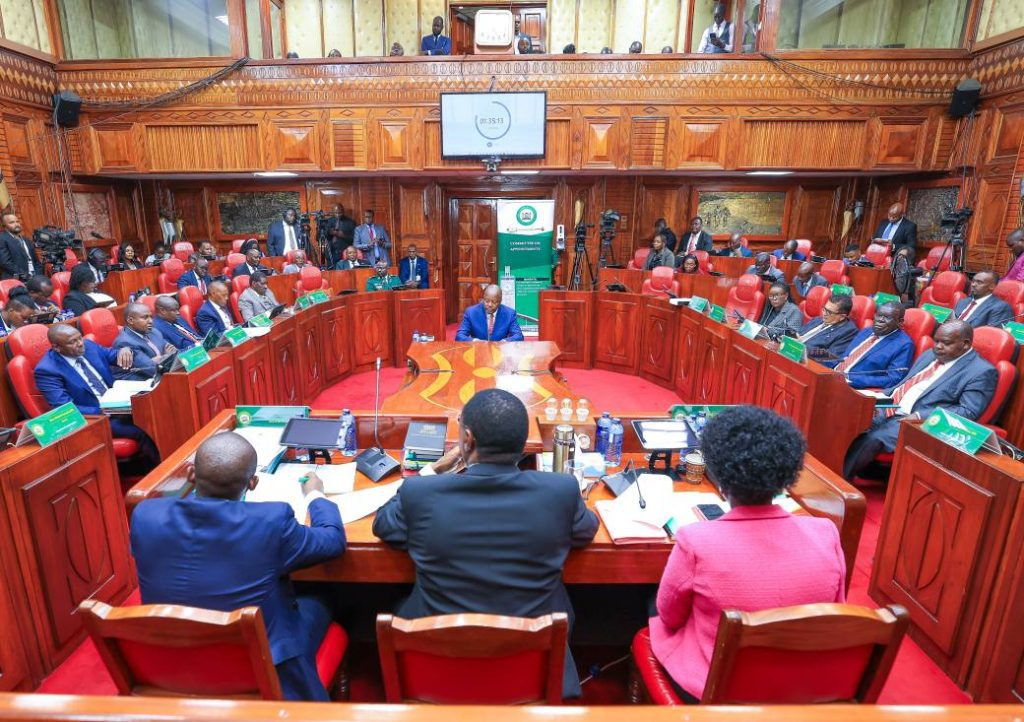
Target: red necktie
[(902, 389), (967, 311), (186, 332), (202, 285), (856, 354), (490, 325)]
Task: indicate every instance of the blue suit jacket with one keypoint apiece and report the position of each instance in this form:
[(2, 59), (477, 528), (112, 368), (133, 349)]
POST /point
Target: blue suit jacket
[(474, 325), (885, 364), (421, 269), (995, 312), (797, 256), (223, 555), (834, 340), (207, 318), (60, 383), (363, 243), (275, 238), (191, 278), (173, 335), (143, 363), (440, 45)]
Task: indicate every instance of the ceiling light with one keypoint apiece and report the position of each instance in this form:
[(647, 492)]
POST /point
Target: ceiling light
[(520, 172), (275, 174), (222, 18), (770, 172)]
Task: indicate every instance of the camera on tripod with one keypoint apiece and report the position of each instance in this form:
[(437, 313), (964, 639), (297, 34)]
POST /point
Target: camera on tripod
[(956, 220), (52, 242), (608, 220)]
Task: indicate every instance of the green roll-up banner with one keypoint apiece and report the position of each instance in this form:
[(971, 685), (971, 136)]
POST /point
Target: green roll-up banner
[(525, 231)]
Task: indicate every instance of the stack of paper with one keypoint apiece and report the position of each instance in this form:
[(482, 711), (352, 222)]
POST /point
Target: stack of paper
[(284, 485), (266, 440), (364, 502), (255, 331), (629, 523), (119, 396)]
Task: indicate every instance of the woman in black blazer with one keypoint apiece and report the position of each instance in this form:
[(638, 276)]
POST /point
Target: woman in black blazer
[(127, 258), (81, 284)]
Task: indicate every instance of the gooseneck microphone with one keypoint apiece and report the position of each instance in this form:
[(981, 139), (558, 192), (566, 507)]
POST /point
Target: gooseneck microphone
[(373, 462)]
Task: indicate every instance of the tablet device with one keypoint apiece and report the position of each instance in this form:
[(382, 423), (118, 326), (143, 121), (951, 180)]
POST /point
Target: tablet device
[(277, 311), (311, 433)]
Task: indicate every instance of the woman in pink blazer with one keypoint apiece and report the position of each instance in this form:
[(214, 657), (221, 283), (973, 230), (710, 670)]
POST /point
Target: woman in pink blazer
[(757, 556)]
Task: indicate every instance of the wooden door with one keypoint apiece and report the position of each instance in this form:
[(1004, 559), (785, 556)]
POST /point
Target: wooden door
[(533, 22), (474, 237)]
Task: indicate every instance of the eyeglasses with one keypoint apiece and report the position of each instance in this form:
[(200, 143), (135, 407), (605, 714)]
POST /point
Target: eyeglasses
[(830, 312)]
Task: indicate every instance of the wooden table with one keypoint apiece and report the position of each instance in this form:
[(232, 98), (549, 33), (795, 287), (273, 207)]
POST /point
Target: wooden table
[(120, 284)]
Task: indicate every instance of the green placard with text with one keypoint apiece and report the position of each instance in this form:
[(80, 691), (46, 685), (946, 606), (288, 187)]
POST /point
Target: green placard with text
[(793, 350), (268, 415), (698, 303), (261, 321), (839, 289), (941, 313), (717, 313), (881, 298), (191, 358), (961, 433), (235, 336), (525, 234), (750, 329), (52, 426), (319, 296), (1016, 330), (680, 411), (303, 302)]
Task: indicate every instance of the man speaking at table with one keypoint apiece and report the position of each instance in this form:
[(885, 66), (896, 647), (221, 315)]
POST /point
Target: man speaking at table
[(493, 539), (489, 320)]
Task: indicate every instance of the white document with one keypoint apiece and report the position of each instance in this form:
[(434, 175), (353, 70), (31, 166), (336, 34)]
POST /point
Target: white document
[(357, 504), (119, 396), (265, 439), (256, 331), (280, 487), (624, 518), (682, 506)]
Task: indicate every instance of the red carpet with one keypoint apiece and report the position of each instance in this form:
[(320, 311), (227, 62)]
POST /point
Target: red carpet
[(914, 679)]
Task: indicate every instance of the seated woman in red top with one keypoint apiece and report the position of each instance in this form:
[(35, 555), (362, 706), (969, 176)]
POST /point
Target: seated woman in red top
[(757, 556)]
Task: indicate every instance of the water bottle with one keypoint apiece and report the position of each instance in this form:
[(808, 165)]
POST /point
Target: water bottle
[(348, 433), (702, 421), (415, 336), (613, 452), (603, 424)]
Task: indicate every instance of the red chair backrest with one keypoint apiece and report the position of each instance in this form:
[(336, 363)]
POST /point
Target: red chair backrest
[(919, 325), (1013, 293), (239, 283), (704, 261), (289, 256), (310, 279), (99, 326), (814, 302), (878, 254), (182, 250), (946, 289), (193, 298), (70, 259), (835, 272), (173, 267), (61, 281), (998, 348), (933, 259), (233, 259), (805, 247), (746, 297), (6, 286), (150, 302), (1006, 378), (863, 310), (234, 305), (27, 345), (639, 258), (662, 279), (236, 246)]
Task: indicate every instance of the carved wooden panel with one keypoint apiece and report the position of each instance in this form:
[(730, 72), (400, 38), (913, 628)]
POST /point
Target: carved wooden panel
[(1009, 131), (712, 350), (815, 214), (660, 201), (215, 393), (254, 377), (657, 341), (116, 147), (475, 236), (600, 142), (699, 144), (417, 311), (900, 144), (284, 357), (14, 673), (348, 144), (615, 347), (312, 358), (647, 140), (1000, 675), (742, 376), (566, 317), (802, 143), (203, 147), (688, 331), (786, 391), (295, 146), (371, 326), (336, 335), (19, 146), (393, 147)]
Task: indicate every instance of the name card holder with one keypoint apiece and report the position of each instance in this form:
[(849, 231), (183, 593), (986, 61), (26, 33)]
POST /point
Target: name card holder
[(51, 427)]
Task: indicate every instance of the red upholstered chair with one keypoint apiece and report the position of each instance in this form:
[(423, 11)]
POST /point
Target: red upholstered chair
[(998, 348), (289, 256), (863, 312), (946, 289), (937, 260), (70, 259), (149, 302), (472, 659), (190, 298), (60, 281), (182, 250), (170, 272), (99, 326), (835, 272), (746, 297), (878, 254), (919, 325), (233, 298), (648, 680), (310, 279), (239, 284), (814, 302), (661, 283), (805, 247), (165, 650), (704, 261), (233, 259), (639, 259), (1013, 293), (6, 286), (236, 246)]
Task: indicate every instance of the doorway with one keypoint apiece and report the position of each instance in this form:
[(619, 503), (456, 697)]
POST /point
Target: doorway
[(472, 243), (462, 20)]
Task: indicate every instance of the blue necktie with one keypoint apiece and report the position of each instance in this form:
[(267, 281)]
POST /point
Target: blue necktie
[(99, 386), (889, 231)]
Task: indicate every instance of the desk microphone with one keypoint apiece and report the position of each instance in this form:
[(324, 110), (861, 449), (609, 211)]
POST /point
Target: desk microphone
[(640, 494), (373, 462)]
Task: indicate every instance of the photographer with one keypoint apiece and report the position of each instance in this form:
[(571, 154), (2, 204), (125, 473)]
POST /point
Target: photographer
[(18, 257), (284, 235)]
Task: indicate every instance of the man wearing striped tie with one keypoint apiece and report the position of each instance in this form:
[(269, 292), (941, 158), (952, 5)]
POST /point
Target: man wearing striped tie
[(172, 326), (879, 356), (951, 376)]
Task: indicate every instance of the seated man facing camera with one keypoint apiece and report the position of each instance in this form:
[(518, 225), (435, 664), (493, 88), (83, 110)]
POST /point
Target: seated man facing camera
[(489, 320)]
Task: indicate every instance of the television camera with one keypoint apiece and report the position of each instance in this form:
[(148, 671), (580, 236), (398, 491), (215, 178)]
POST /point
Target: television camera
[(52, 242)]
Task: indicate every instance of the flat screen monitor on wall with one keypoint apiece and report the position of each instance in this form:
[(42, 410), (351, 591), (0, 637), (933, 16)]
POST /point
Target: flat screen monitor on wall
[(482, 125)]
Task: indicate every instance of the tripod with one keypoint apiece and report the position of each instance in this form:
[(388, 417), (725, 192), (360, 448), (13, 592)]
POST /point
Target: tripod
[(580, 260)]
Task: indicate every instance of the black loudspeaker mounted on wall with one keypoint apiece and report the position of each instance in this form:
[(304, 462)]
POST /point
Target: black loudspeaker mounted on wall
[(66, 106), (965, 98)]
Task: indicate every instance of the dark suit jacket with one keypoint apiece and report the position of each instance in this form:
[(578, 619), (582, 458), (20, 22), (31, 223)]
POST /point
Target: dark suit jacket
[(275, 238), (174, 335), (345, 265), (884, 364), (834, 340), (965, 390), (421, 269), (143, 363), (474, 325), (491, 540), (994, 312), (797, 256), (905, 235), (60, 383), (703, 243), (436, 45), (191, 278), (816, 279), (242, 269), (224, 555), (670, 239), (78, 302), (14, 259), (207, 318)]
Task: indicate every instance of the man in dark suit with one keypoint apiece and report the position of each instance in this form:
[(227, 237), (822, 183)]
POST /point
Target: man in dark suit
[(284, 235), (881, 355), (172, 326), (98, 260), (78, 371), (18, 257), (734, 248), (372, 240), (807, 278), (493, 539), (898, 230), (436, 43), (412, 269), (351, 260), (212, 550), (147, 344), (828, 337), (216, 312), (489, 320), (661, 226), (763, 267), (698, 239), (789, 252), (199, 276), (341, 230), (951, 376), (251, 265), (983, 307)]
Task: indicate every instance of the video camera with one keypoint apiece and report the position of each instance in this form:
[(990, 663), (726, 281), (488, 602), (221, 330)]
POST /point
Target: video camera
[(52, 242), (608, 220), (956, 220)]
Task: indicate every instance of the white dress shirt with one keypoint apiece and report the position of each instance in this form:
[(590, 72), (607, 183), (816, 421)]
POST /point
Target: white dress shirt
[(978, 303), (917, 390), (31, 266), (815, 331), (224, 316), (290, 244)]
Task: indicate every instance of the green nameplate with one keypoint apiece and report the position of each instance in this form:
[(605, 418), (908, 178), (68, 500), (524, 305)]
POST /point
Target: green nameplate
[(235, 336), (793, 350), (698, 304), (961, 433), (717, 313), (839, 289), (319, 296), (262, 321), (52, 426), (191, 358), (881, 298), (268, 415), (681, 411), (303, 302), (750, 329), (1016, 330), (941, 313)]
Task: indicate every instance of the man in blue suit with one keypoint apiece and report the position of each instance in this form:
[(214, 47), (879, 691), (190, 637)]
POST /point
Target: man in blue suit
[(493, 539), (412, 269), (489, 320), (881, 355), (983, 307), (172, 326), (951, 376), (251, 265), (216, 312), (807, 278), (212, 550), (828, 337), (372, 240), (436, 43), (199, 276), (78, 371), (284, 235), (147, 344), (788, 252)]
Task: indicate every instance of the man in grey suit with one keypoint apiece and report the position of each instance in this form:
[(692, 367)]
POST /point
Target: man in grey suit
[(372, 240), (983, 307), (952, 376), (493, 539), (148, 345), (807, 278)]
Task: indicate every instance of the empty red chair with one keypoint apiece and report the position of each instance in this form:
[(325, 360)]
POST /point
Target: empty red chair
[(182, 250), (661, 283), (6, 286), (639, 259), (814, 302), (946, 289), (704, 261), (311, 279), (233, 259), (834, 271), (919, 325), (1013, 293), (937, 260), (863, 312), (190, 299), (746, 297), (149, 302), (805, 247), (236, 246), (70, 259), (878, 254), (99, 326), (233, 298), (60, 281), (239, 284), (998, 347), (170, 272)]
